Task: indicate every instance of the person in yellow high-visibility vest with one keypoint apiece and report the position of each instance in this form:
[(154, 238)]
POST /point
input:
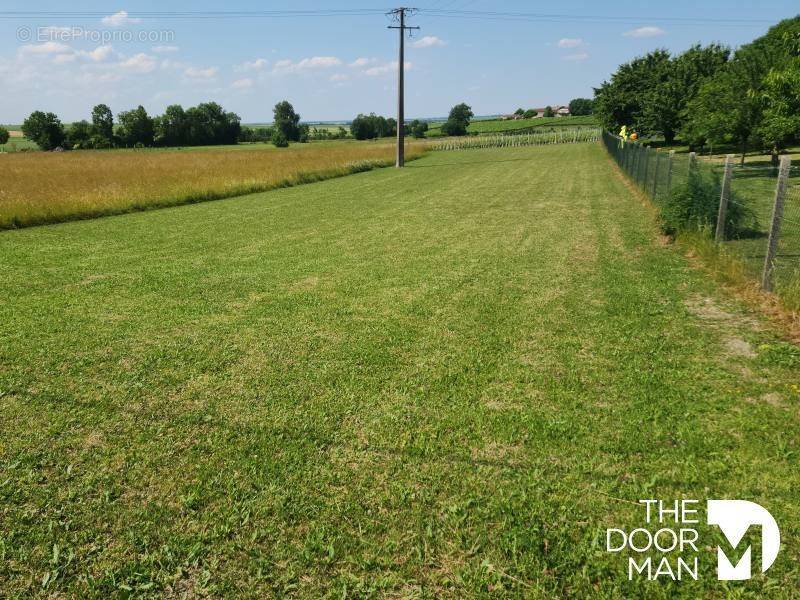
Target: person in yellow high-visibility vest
[(623, 136)]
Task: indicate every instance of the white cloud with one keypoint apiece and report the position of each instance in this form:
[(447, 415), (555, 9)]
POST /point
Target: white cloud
[(339, 77), (99, 54), (578, 56), (61, 59), (46, 48), (570, 43), (429, 41), (165, 49), (252, 65), (243, 84), (645, 32), (315, 62), (120, 19), (386, 68), (139, 63), (198, 73), (362, 62)]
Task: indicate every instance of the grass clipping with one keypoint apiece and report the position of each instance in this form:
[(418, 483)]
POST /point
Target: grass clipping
[(39, 188)]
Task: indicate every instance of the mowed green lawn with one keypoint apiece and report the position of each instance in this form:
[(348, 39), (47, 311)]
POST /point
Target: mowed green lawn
[(445, 381)]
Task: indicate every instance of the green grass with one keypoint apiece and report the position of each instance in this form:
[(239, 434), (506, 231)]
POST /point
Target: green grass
[(445, 381), (498, 126)]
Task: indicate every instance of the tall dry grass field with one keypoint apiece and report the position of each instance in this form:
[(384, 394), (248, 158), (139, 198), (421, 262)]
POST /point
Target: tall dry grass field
[(43, 187)]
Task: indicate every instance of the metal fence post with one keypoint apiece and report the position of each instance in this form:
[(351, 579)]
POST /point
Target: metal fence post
[(669, 172), (723, 198), (775, 227), (655, 175), (692, 160), (646, 168)]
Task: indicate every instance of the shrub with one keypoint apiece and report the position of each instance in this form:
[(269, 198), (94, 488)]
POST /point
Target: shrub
[(694, 206), (3, 136), (279, 139)]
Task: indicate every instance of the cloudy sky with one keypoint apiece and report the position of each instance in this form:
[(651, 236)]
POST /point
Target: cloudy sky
[(335, 66)]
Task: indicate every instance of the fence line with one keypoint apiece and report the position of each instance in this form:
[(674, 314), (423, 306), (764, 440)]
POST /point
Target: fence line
[(756, 208)]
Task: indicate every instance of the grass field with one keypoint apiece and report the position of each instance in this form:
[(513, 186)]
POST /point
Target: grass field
[(483, 126), (441, 382), (51, 187)]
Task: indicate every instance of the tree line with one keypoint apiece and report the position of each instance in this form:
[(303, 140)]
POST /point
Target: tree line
[(577, 107), (710, 94)]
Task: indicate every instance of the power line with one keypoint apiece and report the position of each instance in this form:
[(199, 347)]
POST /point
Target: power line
[(430, 12), (567, 18)]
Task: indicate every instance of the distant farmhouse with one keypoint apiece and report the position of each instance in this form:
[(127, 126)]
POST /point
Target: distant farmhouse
[(559, 110)]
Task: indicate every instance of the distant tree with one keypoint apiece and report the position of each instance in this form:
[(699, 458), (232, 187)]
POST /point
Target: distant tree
[(548, 111), (529, 114), (458, 120), (4, 135), (287, 121), (371, 126), (730, 106), (103, 123), (580, 106), (519, 112), (45, 129), (279, 138), (418, 128), (136, 128), (303, 135), (208, 124), (172, 128), (79, 135)]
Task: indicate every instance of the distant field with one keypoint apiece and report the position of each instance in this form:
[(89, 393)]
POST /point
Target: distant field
[(499, 126), (46, 187)]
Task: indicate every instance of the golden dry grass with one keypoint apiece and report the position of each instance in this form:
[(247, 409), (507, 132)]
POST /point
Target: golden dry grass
[(42, 187)]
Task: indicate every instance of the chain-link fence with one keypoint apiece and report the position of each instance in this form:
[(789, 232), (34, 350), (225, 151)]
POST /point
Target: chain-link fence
[(732, 203)]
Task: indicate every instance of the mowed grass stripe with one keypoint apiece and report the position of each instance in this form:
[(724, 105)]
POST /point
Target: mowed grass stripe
[(430, 381)]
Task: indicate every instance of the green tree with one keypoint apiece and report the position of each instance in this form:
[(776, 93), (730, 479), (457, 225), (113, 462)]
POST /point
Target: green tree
[(619, 101), (581, 106), (103, 122), (79, 135), (673, 84), (548, 112), (529, 114), (287, 121), (519, 112), (136, 127), (458, 120), (418, 128), (4, 135), (172, 128), (45, 129)]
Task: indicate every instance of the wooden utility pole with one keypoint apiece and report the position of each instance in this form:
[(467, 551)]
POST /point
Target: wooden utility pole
[(399, 14)]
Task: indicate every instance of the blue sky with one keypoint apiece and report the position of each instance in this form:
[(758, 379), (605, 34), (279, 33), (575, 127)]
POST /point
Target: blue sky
[(335, 67)]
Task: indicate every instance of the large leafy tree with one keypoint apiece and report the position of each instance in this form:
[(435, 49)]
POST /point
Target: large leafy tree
[(675, 83), (172, 128), (136, 127), (103, 123), (581, 106), (4, 135), (458, 120), (287, 121), (45, 129), (621, 100)]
